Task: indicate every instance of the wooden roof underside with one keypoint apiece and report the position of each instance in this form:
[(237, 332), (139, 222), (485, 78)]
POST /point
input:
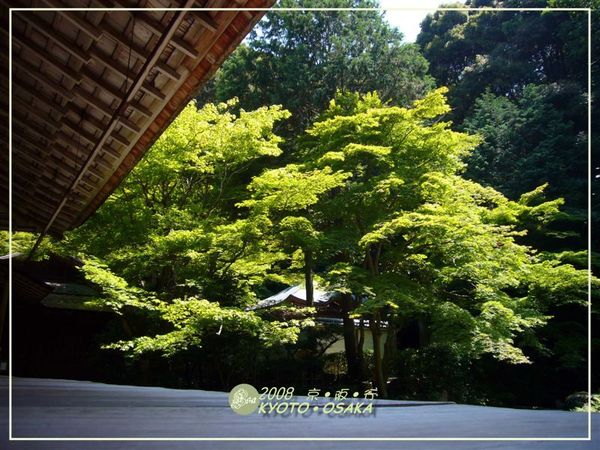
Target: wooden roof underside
[(92, 90)]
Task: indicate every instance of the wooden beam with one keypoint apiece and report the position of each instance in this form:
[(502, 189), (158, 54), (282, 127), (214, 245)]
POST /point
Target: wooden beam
[(120, 139), (137, 51), (30, 214), (80, 131), (108, 150), (94, 102), (99, 82), (42, 78), (105, 109), (24, 222), (167, 70), (128, 123), (102, 162), (67, 152), (87, 117), (32, 142), (68, 160), (62, 167), (58, 175), (22, 152), (223, 41), (140, 108), (99, 56), (82, 24), (153, 90), (151, 24), (72, 144), (84, 186), (91, 138), (54, 35), (47, 57), (157, 28), (75, 161), (247, 14), (33, 147), (22, 182), (94, 170), (184, 47), (29, 126), (48, 186), (24, 168), (121, 70), (37, 204), (36, 95), (114, 65), (29, 109), (210, 58), (206, 20), (66, 177)]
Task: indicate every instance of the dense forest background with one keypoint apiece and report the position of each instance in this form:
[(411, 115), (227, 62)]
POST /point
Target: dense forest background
[(444, 181)]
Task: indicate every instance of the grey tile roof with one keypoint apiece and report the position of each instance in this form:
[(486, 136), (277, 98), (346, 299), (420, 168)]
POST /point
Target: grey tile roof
[(295, 293)]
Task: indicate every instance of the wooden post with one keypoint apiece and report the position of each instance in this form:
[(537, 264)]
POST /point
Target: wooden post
[(375, 326)]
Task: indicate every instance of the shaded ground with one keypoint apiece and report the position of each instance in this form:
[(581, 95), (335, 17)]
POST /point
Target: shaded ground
[(64, 408)]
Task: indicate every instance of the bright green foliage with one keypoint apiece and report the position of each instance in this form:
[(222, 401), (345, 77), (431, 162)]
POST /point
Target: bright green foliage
[(171, 226), (173, 230), (594, 405), (116, 292), (22, 242), (290, 189), (190, 319), (461, 234), (415, 239), (193, 319), (377, 208)]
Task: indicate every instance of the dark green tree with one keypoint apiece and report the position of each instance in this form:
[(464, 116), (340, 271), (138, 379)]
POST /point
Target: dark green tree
[(535, 139), (300, 59), (519, 79), (503, 51)]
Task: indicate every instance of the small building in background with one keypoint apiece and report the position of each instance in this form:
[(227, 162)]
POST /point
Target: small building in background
[(329, 314)]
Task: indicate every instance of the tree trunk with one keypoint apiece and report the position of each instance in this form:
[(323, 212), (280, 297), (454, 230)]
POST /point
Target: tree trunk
[(126, 327), (390, 350), (308, 277), (380, 379), (350, 346), (166, 279), (423, 338)]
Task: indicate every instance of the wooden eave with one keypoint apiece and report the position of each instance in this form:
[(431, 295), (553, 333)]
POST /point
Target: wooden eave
[(92, 91)]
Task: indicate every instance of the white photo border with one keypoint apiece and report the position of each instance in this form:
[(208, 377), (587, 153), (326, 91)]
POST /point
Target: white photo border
[(425, 439)]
